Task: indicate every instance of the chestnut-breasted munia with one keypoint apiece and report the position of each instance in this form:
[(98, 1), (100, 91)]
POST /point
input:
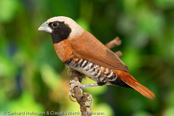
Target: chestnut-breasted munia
[(81, 51)]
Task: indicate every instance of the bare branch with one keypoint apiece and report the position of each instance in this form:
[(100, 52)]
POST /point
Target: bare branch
[(85, 100), (113, 43), (118, 53)]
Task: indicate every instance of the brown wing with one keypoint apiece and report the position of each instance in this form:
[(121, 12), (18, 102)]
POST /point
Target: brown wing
[(88, 47)]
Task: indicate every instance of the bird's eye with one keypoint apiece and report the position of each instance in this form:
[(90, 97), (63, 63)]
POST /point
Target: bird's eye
[(55, 24)]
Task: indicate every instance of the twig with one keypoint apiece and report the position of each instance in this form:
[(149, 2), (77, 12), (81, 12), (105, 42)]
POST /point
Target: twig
[(118, 53), (85, 101), (113, 43)]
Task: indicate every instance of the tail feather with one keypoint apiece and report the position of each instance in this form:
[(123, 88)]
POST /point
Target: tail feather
[(132, 82)]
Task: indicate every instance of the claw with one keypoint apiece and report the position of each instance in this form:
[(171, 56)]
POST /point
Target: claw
[(72, 85), (70, 94), (71, 98)]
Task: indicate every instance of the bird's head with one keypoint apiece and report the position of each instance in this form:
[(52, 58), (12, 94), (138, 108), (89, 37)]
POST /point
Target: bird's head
[(61, 28)]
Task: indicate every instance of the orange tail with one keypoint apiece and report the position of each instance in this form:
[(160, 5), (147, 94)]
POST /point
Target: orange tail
[(132, 82)]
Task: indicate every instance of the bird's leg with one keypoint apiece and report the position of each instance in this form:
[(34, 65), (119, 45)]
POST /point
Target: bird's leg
[(78, 84)]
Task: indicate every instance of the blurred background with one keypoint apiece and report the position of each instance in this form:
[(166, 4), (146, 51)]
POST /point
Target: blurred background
[(33, 79)]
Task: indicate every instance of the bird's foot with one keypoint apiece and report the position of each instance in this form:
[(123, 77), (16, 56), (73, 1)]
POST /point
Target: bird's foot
[(74, 84)]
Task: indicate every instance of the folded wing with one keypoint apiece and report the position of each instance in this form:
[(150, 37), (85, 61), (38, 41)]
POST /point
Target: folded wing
[(94, 51)]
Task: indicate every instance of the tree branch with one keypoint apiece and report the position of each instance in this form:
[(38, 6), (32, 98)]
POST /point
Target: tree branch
[(113, 43), (85, 100)]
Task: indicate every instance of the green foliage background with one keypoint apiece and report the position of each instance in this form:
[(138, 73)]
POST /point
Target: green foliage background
[(32, 78)]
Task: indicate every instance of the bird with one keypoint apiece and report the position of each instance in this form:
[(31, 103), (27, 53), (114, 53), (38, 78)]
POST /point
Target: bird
[(83, 52)]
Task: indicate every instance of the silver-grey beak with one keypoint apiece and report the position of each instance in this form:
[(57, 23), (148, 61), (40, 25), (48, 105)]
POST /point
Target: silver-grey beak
[(44, 27)]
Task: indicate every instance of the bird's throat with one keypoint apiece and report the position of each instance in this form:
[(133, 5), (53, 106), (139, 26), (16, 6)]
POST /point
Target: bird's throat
[(56, 38), (63, 50)]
